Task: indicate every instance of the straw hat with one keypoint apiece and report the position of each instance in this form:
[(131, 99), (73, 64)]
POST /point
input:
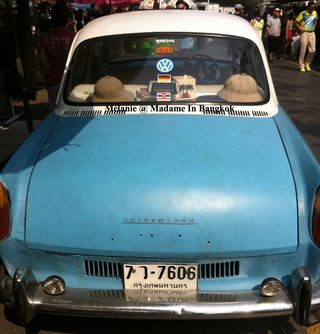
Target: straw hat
[(240, 88), (110, 89)]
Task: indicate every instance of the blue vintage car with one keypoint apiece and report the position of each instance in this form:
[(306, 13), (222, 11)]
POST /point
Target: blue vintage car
[(167, 183)]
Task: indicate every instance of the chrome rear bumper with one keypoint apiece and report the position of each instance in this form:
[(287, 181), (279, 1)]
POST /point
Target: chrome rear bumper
[(147, 304), (29, 298)]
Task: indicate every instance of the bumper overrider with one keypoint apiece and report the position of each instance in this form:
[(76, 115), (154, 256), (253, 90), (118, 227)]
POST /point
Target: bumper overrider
[(29, 297)]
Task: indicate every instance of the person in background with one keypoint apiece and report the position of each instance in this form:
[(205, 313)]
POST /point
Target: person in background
[(289, 33), (78, 15), (257, 22), (306, 23), (295, 45), (86, 17), (274, 32), (265, 35), (180, 4), (239, 10), (53, 50), (152, 4)]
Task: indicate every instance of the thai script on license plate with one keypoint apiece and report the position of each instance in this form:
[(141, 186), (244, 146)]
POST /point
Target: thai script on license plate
[(160, 276)]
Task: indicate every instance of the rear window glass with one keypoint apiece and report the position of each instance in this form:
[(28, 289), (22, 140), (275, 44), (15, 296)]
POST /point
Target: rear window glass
[(175, 68)]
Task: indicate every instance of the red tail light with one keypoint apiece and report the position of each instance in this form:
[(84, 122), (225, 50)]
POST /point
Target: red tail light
[(316, 219), (4, 212)]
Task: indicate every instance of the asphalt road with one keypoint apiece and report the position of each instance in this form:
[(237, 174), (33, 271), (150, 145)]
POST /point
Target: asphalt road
[(299, 94)]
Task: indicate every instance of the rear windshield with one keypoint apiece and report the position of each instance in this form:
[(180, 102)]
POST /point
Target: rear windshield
[(177, 68)]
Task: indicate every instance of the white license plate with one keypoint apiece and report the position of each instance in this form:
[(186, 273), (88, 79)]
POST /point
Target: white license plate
[(160, 277)]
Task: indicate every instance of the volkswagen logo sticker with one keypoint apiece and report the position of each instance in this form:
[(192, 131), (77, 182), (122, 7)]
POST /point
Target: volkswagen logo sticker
[(164, 65)]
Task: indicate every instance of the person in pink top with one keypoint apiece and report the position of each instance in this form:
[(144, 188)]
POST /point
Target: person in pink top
[(54, 48)]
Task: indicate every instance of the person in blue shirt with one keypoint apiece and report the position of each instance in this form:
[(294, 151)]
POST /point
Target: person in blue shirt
[(306, 23)]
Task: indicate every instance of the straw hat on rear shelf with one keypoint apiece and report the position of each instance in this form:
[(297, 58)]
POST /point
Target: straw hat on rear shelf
[(240, 88), (110, 89)]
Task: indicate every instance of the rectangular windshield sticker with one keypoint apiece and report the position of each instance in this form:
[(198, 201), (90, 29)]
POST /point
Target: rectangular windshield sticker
[(164, 78), (163, 87), (163, 96), (164, 49), (165, 40)]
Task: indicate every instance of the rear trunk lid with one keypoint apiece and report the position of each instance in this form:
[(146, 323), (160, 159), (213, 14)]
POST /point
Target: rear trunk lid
[(163, 186)]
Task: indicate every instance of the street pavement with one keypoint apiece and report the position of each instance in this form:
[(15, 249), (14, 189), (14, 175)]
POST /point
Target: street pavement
[(299, 94), (14, 129)]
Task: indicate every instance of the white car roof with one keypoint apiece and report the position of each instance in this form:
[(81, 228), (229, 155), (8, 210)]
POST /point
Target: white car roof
[(186, 21)]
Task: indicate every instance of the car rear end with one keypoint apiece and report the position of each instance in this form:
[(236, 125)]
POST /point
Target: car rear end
[(184, 203)]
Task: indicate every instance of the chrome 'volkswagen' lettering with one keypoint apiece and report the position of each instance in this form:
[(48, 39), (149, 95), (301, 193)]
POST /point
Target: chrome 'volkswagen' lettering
[(180, 221), (164, 65)]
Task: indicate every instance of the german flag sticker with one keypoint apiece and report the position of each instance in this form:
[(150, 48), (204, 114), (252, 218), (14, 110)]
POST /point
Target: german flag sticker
[(164, 78)]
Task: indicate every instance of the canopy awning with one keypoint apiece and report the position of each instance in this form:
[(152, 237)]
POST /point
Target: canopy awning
[(107, 2)]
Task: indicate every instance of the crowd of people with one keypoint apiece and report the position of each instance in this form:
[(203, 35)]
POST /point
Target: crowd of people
[(286, 33)]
